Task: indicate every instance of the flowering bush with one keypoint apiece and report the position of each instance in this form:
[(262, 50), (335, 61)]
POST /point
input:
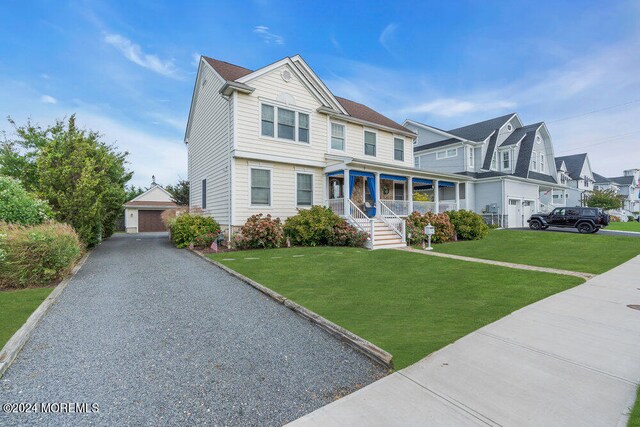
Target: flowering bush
[(468, 225), (19, 207), (36, 255), (344, 234), (311, 227), (613, 218), (260, 232), (191, 229), (444, 231)]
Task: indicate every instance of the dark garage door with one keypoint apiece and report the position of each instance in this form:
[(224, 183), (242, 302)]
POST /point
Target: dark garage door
[(150, 221)]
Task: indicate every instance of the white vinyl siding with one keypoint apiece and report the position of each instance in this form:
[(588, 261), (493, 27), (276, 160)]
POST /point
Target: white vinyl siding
[(304, 189), (337, 137), (260, 187), (398, 149), (370, 143)]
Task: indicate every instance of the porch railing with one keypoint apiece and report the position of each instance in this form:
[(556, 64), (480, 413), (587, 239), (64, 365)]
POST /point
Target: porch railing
[(390, 218), (447, 205), (424, 207), (336, 205), (361, 220)]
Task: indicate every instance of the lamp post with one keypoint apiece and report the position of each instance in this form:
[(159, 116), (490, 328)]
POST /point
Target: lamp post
[(428, 230)]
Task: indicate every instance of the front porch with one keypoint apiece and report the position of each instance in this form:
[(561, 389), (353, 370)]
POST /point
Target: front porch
[(551, 198)]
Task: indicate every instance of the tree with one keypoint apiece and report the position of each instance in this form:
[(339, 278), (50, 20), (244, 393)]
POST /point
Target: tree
[(605, 199), (180, 192), (19, 207), (132, 192), (81, 177)]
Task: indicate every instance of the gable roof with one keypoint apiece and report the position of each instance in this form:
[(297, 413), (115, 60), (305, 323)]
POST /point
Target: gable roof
[(515, 137), (559, 163), (481, 130), (600, 179), (574, 164), (622, 180), (437, 144), (524, 155), (152, 203), (231, 72)]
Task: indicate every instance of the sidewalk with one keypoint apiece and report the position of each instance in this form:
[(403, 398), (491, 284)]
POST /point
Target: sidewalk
[(571, 359)]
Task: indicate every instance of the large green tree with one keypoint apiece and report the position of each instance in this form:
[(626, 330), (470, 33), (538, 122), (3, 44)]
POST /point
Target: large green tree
[(180, 192), (605, 199), (81, 177)]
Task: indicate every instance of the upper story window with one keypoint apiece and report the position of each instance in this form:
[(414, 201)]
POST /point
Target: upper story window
[(444, 154), (398, 149), (494, 160), (506, 160), (541, 162), (291, 125), (337, 136), (471, 158), (369, 143), (534, 161), (416, 162)]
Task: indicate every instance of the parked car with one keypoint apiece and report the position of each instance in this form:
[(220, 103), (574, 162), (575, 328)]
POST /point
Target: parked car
[(586, 220)]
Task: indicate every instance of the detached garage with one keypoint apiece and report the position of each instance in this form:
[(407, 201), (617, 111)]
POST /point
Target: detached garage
[(142, 214)]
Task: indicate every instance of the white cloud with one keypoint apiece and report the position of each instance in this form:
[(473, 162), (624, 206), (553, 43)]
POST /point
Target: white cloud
[(450, 107), (47, 99), (387, 34), (133, 52), (268, 36)]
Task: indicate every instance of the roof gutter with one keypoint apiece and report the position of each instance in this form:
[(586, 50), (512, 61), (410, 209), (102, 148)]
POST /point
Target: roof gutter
[(337, 114), (229, 87)]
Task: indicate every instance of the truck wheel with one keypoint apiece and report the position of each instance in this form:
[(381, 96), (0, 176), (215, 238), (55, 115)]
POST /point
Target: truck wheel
[(585, 228), (535, 224)]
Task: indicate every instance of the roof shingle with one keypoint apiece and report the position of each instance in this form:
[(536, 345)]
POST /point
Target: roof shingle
[(481, 130), (574, 164)]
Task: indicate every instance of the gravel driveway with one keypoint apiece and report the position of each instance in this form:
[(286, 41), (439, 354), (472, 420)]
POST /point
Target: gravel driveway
[(157, 336)]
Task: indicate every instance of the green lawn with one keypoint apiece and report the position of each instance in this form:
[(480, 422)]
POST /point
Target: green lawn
[(634, 420), (408, 304), (16, 307), (624, 226), (588, 253)]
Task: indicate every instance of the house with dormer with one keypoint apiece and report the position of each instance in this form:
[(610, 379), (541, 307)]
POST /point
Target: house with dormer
[(575, 171), (276, 139), (511, 165), (629, 189)]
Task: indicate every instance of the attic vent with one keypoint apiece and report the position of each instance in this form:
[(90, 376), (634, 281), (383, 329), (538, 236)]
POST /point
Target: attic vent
[(538, 139), (204, 82), (286, 75), (509, 127)]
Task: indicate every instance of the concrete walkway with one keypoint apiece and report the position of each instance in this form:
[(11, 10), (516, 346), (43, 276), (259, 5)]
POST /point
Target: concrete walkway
[(502, 263), (572, 359)]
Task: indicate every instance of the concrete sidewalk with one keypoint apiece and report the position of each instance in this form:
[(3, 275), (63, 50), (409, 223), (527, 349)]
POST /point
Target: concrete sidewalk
[(572, 359)]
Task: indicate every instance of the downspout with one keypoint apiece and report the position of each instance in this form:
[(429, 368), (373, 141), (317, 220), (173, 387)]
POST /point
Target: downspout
[(229, 142), (504, 197)]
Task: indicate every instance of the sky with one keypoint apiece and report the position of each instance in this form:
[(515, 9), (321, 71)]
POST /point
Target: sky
[(127, 68)]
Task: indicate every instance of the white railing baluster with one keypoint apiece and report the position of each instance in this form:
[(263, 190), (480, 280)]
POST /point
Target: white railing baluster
[(390, 218), (336, 205), (361, 220)]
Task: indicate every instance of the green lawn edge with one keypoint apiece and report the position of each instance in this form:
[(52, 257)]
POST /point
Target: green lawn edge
[(624, 226), (634, 418), (16, 306)]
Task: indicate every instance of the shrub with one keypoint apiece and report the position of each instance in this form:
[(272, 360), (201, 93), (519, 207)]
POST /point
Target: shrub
[(36, 255), (344, 234), (468, 225), (613, 218), (444, 231), (260, 232), (19, 207), (188, 228), (312, 227), (420, 197), (630, 218)]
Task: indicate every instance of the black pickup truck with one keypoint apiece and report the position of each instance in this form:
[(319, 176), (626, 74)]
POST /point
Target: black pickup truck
[(586, 220)]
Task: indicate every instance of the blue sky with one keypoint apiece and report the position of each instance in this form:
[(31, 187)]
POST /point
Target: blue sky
[(127, 67)]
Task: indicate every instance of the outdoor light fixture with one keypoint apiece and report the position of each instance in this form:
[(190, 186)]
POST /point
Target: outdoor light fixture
[(428, 230)]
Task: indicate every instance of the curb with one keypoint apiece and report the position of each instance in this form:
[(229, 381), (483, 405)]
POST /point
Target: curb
[(621, 231), (370, 350), (12, 348)]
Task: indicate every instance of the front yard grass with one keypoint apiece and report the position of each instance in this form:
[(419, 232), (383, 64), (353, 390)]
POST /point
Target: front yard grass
[(408, 304), (624, 226), (16, 307), (634, 419), (587, 253)]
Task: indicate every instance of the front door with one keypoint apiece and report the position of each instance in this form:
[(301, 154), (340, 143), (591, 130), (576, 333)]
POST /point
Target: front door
[(514, 216), (527, 209)]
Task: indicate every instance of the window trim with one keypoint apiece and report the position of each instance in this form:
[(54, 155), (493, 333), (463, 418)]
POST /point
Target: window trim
[(446, 153), (298, 205), (344, 140), (399, 138), (270, 169), (471, 158), (203, 193), (502, 167), (364, 143), (541, 163), (494, 161), (276, 106)]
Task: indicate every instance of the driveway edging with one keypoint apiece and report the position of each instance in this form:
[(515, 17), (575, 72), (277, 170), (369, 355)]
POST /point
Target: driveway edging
[(370, 350), (12, 348)]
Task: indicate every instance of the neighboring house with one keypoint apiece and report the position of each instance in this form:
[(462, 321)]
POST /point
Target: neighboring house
[(578, 176), (511, 165), (276, 140), (629, 187), (603, 183), (143, 212)]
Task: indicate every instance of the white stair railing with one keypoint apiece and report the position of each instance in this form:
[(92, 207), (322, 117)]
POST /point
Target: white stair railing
[(361, 220), (336, 205), (392, 220)]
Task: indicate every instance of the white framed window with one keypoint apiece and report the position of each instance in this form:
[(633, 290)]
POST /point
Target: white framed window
[(534, 161), (284, 124), (452, 152), (370, 143), (304, 189), (416, 162), (398, 149), (494, 161), (337, 136), (445, 154), (471, 157), (398, 191), (506, 160), (541, 162), (260, 187)]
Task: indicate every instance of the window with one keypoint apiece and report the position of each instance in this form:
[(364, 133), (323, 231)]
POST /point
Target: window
[(286, 124), (444, 154), (452, 152), (541, 162), (267, 120), (398, 191), (292, 125), (398, 149), (337, 136), (303, 127), (505, 160), (261, 187), (304, 189), (204, 194), (416, 162), (369, 143), (534, 161), (471, 157), (494, 161)]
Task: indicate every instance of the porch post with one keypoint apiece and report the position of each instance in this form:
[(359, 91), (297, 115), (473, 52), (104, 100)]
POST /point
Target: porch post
[(436, 195), (377, 186), (345, 193), (410, 193), (325, 189), (457, 184)]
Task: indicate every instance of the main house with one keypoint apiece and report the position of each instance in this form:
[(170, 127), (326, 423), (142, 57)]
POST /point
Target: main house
[(276, 140), (511, 165)]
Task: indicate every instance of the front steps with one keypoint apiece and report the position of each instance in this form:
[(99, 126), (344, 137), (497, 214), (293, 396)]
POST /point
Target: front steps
[(384, 237)]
